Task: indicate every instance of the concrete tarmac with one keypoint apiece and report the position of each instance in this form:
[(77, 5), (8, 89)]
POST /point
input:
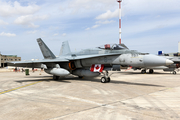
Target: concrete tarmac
[(129, 96)]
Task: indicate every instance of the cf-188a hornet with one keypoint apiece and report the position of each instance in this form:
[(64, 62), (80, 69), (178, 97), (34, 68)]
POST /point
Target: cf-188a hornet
[(92, 62)]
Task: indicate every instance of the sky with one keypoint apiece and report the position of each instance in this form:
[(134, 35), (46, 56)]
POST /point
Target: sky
[(147, 26)]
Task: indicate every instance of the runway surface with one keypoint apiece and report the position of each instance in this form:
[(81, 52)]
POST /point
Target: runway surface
[(129, 96)]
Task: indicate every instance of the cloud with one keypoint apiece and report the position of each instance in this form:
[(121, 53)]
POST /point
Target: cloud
[(56, 34), (98, 23), (32, 32), (28, 20), (129, 7), (32, 25), (108, 15), (7, 34), (84, 6), (141, 7), (105, 22), (140, 26), (95, 26), (87, 28), (10, 9), (3, 23), (64, 34)]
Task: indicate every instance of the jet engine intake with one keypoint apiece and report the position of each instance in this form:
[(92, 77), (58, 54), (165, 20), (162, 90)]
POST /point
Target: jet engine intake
[(58, 72), (85, 73), (72, 65)]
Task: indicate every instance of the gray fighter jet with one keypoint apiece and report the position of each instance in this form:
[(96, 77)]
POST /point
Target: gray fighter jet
[(174, 68), (92, 62)]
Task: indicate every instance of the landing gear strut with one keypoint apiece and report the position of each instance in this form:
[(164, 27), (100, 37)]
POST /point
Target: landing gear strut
[(55, 77), (105, 78)]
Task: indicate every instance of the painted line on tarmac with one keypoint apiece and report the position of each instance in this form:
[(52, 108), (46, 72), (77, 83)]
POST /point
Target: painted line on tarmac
[(84, 100), (19, 87)]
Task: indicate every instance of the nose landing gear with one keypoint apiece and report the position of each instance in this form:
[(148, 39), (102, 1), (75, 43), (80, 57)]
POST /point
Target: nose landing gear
[(105, 78)]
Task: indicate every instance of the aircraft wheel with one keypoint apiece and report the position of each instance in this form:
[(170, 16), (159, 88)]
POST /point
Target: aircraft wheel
[(80, 77), (103, 80), (174, 72), (143, 71), (55, 77), (108, 79), (151, 71)]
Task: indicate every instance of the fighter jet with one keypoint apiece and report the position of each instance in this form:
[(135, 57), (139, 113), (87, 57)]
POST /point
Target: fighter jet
[(174, 68), (91, 62)]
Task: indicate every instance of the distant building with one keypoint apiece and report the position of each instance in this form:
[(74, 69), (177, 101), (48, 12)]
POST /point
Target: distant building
[(8, 58)]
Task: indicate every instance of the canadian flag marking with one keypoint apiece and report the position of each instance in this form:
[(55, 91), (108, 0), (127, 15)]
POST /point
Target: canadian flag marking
[(97, 68)]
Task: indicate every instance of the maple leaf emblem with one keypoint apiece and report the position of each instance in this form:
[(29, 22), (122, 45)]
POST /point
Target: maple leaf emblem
[(97, 67)]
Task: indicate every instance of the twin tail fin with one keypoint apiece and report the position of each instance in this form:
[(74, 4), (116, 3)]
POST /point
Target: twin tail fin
[(47, 53)]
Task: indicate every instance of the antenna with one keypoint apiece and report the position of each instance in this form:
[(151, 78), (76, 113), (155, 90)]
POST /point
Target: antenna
[(119, 1)]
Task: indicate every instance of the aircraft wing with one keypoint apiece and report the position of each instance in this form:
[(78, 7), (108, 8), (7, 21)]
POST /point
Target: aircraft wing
[(38, 63), (42, 61), (35, 63)]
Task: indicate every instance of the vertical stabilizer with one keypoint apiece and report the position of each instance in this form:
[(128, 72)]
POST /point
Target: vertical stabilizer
[(45, 50), (65, 49)]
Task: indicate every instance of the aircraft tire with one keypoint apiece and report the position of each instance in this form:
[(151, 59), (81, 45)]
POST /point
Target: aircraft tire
[(103, 80), (108, 79), (81, 77), (55, 77), (151, 71), (143, 72), (174, 72)]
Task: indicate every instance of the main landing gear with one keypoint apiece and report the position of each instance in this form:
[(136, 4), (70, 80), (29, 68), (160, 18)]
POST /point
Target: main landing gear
[(55, 77), (143, 71), (106, 77), (151, 71), (174, 72)]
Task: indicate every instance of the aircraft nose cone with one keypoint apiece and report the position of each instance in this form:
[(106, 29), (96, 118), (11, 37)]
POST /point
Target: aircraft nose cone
[(153, 60), (169, 62)]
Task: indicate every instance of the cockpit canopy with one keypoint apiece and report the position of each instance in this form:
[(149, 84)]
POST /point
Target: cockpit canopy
[(113, 47)]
